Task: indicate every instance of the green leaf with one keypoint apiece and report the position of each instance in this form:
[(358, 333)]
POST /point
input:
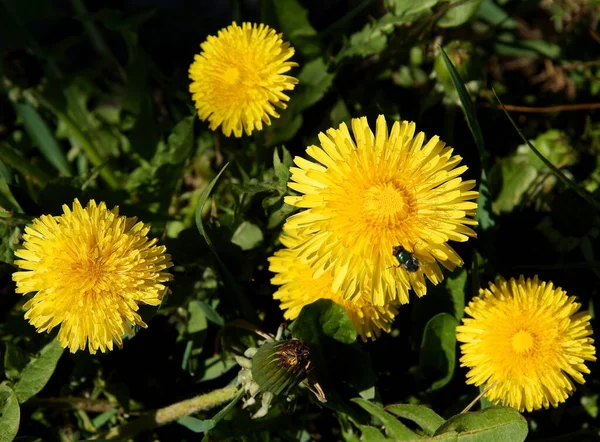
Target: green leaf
[(9, 240), (553, 169), (459, 14), (179, 144), (247, 236), (215, 366), (456, 284), (211, 314), (372, 39), (393, 427), (411, 9), (38, 371), (14, 361), (282, 168), (10, 414), (424, 417), (39, 132), (196, 319), (315, 81), (294, 24), (492, 424), (371, 434), (438, 349), (324, 317)]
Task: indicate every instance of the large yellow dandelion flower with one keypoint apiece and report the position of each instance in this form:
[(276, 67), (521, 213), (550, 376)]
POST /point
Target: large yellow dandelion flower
[(89, 269), (525, 340), (298, 288), (379, 210), (237, 79)]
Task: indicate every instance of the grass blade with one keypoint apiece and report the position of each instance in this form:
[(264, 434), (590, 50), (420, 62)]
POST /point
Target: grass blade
[(468, 108), (39, 132), (555, 170), (484, 204), (245, 306)]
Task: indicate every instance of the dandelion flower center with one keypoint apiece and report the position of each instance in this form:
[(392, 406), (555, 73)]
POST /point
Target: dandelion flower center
[(387, 205), (528, 340), (522, 341), (237, 79), (89, 269)]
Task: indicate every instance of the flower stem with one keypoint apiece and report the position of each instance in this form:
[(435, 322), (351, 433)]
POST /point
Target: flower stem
[(173, 412)]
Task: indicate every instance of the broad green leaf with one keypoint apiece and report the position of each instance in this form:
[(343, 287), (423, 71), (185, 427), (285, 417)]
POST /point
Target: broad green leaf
[(555, 171), (196, 319), (459, 14), (411, 9), (14, 361), (456, 284), (247, 236), (496, 424), (39, 132), (294, 24), (371, 434), (211, 314), (10, 414), (493, 14), (38, 371), (215, 366), (324, 317), (393, 427), (315, 81), (424, 417), (438, 349)]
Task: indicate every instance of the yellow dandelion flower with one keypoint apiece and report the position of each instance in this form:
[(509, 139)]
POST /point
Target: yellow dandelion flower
[(527, 341), (379, 209), (237, 79), (298, 288), (89, 269)]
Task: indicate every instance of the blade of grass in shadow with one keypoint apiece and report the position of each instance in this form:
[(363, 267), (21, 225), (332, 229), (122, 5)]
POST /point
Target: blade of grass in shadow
[(484, 203), (245, 306), (39, 132), (555, 170)]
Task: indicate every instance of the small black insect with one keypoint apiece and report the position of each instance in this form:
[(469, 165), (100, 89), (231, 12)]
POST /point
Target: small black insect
[(406, 259)]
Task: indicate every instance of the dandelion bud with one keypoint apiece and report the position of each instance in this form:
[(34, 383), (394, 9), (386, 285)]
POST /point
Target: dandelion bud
[(464, 58), (279, 366)]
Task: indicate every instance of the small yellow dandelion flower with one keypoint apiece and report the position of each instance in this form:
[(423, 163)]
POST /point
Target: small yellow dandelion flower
[(380, 210), (237, 79), (298, 288), (527, 341), (89, 269)]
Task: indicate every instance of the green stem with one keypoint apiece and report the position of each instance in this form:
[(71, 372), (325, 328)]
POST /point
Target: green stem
[(86, 145), (173, 412)]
